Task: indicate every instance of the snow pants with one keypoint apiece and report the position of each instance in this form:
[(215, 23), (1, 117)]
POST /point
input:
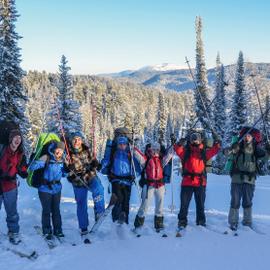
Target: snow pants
[(147, 194), (9, 199), (122, 192), (50, 210), (185, 197), (244, 192), (81, 194)]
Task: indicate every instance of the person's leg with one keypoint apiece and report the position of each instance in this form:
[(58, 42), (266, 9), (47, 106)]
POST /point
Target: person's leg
[(125, 206), (159, 200), (56, 215), (10, 203), (116, 189), (185, 197), (236, 194), (248, 193), (98, 196), (46, 202), (81, 200), (199, 194)]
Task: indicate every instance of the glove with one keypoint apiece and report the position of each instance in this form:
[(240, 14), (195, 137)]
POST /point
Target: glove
[(216, 137), (94, 163), (173, 139), (182, 142)]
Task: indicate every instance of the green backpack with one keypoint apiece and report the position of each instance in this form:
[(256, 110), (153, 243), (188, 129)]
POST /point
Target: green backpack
[(35, 178)]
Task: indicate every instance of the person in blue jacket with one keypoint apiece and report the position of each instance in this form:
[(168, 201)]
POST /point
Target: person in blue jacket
[(120, 168), (50, 190)]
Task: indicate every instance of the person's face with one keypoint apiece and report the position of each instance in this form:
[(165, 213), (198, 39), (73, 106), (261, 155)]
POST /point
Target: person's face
[(155, 152), (16, 141), (122, 146), (77, 142), (58, 153), (248, 138)]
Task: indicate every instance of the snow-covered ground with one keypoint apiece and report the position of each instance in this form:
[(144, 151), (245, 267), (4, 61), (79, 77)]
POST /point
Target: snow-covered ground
[(118, 248)]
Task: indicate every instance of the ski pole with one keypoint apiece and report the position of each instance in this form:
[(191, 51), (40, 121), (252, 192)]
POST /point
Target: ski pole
[(133, 165), (172, 206), (260, 105), (200, 95), (93, 125)]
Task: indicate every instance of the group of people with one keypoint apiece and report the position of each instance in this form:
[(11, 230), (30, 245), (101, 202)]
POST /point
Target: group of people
[(123, 163)]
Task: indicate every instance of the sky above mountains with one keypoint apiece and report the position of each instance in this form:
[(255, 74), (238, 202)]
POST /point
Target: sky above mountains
[(110, 36)]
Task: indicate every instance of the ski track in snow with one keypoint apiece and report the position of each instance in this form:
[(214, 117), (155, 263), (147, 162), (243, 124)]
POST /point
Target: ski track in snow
[(117, 247)]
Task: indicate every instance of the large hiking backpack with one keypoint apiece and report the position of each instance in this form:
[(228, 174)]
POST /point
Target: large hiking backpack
[(207, 141), (5, 128), (35, 178), (261, 164), (111, 148)]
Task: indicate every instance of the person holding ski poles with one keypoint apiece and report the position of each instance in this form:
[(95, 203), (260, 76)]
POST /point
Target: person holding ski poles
[(53, 163), (12, 163), (152, 183), (194, 155), (245, 151), (82, 174), (121, 167)]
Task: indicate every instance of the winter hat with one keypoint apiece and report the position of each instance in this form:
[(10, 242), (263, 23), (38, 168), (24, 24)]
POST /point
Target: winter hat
[(122, 140), (195, 136), (60, 145), (13, 133), (156, 146), (76, 134)]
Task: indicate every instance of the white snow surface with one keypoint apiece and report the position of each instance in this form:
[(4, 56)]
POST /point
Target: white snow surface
[(118, 248)]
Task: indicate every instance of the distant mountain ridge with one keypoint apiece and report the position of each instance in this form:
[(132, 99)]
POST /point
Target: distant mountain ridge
[(176, 78)]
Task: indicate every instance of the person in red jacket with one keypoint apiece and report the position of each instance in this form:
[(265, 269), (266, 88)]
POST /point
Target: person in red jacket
[(152, 183), (12, 162), (193, 155)]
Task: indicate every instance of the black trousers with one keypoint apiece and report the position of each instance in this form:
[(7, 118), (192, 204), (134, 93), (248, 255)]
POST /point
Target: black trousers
[(50, 210), (186, 195), (123, 197)]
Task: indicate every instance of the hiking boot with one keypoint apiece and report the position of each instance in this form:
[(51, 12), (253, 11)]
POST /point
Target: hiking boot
[(158, 222), (122, 218), (59, 234), (181, 224), (14, 238), (48, 236), (85, 236), (233, 227), (138, 222), (201, 223)]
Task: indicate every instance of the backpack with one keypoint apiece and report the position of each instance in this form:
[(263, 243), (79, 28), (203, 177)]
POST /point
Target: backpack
[(110, 150), (261, 164), (5, 128), (35, 178)]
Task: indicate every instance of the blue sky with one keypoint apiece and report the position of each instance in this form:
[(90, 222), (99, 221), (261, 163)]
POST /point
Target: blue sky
[(112, 35)]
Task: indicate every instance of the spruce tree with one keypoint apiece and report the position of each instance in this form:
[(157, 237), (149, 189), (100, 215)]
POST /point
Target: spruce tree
[(161, 121), (13, 98), (201, 94), (65, 111), (238, 114)]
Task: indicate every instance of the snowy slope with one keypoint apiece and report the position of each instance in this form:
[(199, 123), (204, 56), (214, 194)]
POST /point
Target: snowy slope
[(118, 248)]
